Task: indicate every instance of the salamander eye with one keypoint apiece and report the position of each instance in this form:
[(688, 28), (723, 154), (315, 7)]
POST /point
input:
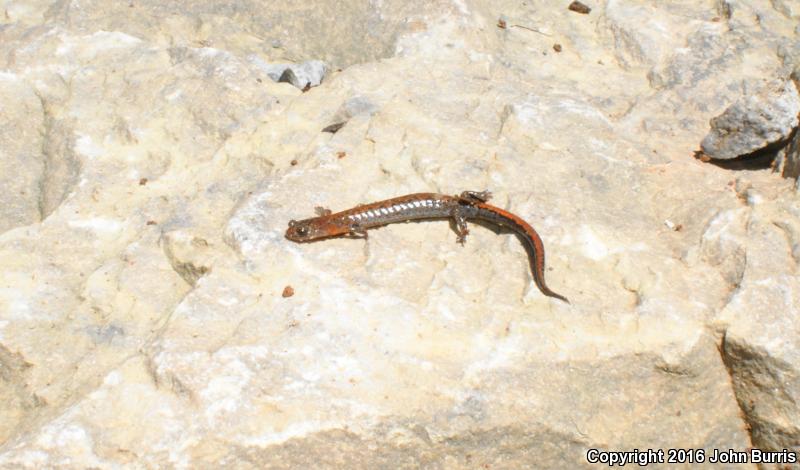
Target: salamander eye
[(292, 223), (302, 231)]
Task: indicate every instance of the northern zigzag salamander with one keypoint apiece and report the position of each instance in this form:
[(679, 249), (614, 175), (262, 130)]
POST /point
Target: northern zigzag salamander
[(468, 205)]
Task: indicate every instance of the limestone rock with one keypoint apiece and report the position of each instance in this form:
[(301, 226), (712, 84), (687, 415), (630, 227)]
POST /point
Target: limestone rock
[(760, 345), (303, 75), (788, 159), (150, 164), (754, 122)]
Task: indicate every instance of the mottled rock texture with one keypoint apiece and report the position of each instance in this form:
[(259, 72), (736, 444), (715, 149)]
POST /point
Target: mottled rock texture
[(755, 122), (149, 163)]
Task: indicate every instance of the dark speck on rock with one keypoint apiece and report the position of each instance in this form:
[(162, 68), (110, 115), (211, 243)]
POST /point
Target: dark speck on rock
[(579, 7), (334, 128)]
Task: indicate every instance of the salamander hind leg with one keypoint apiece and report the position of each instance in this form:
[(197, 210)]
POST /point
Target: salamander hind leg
[(322, 211), (475, 196), (461, 226)]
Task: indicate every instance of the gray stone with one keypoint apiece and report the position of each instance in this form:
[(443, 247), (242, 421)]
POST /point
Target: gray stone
[(302, 75), (754, 122), (787, 162)]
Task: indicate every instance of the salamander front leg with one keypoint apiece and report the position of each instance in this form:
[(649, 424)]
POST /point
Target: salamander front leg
[(322, 211), (461, 227), (475, 196), (356, 231)]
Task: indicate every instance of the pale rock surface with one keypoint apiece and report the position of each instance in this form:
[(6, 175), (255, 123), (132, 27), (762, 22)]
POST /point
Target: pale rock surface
[(21, 161), (760, 342), (150, 165)]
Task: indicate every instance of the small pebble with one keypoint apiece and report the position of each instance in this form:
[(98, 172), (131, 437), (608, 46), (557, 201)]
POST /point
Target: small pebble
[(579, 7)]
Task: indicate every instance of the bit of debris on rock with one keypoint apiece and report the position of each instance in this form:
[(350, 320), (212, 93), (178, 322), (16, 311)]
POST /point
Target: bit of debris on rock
[(341, 155), (142, 181), (698, 154), (288, 291), (557, 47), (293, 162), (501, 23), (334, 128), (579, 7), (673, 226)]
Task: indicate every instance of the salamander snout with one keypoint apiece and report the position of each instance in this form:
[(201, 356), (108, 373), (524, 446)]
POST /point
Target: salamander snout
[(297, 231), (303, 231)]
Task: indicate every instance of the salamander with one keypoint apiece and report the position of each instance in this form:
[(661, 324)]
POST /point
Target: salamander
[(468, 205)]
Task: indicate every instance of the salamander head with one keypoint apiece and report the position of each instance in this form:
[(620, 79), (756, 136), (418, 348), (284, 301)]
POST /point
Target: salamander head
[(308, 230)]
